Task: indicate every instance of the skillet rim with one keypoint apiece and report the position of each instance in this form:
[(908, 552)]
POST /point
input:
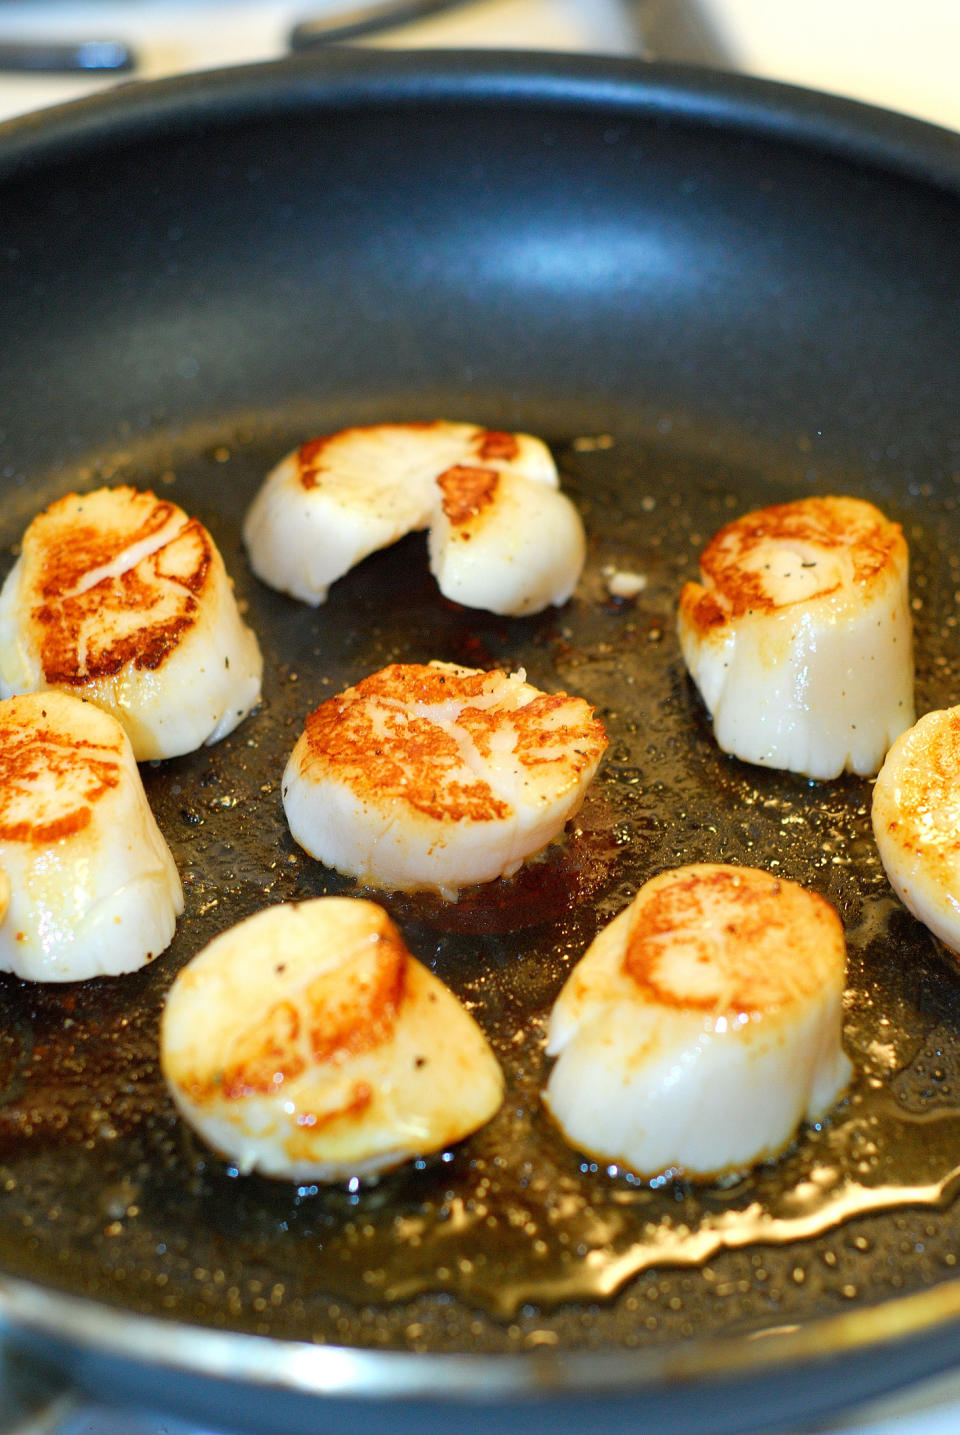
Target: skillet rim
[(345, 76), (92, 1327), (922, 1326)]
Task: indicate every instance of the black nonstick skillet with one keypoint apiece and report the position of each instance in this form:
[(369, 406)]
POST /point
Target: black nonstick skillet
[(706, 294)]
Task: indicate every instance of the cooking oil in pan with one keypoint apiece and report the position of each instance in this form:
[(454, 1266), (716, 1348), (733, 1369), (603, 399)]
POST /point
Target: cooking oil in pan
[(512, 1237)]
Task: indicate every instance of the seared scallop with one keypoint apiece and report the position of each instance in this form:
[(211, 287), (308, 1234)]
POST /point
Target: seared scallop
[(119, 597), (916, 821), (702, 1026), (306, 1043), (433, 777), (502, 536), (799, 636), (91, 888)]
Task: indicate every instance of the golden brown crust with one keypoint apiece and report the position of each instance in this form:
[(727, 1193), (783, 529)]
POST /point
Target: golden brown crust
[(348, 1024), (314, 458), (492, 444), (543, 736), (918, 809), (300, 1144), (263, 1058), (369, 739), (467, 492), (89, 628), (330, 1021), (381, 752), (827, 525), (40, 759), (68, 547), (427, 683), (723, 921), (701, 609)]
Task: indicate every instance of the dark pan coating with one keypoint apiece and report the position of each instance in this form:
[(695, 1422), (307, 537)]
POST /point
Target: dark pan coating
[(698, 322)]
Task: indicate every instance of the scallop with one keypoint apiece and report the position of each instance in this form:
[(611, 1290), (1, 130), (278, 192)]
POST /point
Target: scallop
[(799, 636), (502, 535), (702, 1025), (119, 597), (89, 885), (916, 821), (434, 777), (306, 1043)]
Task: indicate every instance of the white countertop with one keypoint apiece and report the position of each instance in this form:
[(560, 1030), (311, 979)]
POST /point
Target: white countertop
[(903, 57), (872, 50)]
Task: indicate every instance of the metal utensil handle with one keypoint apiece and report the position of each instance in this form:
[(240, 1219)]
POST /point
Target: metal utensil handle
[(56, 57), (363, 20)]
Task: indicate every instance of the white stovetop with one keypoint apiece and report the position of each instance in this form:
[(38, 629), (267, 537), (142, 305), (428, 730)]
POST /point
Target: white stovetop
[(873, 50)]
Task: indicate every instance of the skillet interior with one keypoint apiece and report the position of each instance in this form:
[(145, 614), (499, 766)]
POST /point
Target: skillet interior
[(702, 308)]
